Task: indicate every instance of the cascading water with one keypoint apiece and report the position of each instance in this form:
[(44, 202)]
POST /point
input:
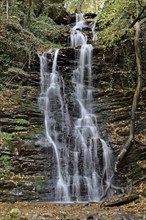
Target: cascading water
[(84, 169), (96, 176), (56, 121), (77, 37), (94, 35)]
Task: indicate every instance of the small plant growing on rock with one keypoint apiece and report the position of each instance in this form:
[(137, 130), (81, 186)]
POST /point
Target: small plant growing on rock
[(5, 162)]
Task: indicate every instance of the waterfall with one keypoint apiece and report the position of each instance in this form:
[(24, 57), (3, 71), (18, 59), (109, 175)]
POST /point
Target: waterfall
[(94, 35), (84, 169), (52, 103), (77, 37)]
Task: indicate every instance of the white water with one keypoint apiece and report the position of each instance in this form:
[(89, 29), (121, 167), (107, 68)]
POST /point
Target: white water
[(94, 35), (52, 104), (78, 38), (90, 176), (95, 178)]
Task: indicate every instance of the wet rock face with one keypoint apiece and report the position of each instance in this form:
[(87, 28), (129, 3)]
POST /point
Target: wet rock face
[(22, 136)]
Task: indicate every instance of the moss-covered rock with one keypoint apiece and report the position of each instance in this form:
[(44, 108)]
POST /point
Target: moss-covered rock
[(18, 45), (46, 29)]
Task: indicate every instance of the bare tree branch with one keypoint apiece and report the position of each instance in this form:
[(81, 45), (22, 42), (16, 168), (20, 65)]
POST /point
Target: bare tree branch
[(131, 139), (138, 17)]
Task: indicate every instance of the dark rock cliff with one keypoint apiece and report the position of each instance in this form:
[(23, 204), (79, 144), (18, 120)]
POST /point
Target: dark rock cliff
[(26, 162)]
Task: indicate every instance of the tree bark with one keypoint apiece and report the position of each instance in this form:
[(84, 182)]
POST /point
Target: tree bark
[(138, 17), (29, 12), (131, 139), (79, 6), (7, 9)]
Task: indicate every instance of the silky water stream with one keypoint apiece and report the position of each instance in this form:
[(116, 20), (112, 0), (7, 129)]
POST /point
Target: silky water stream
[(83, 169)]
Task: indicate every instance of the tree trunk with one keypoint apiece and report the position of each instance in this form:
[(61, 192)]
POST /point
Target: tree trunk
[(29, 12), (7, 8), (79, 6), (131, 139)]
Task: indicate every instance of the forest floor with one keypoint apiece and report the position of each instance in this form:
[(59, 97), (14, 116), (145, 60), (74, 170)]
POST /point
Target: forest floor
[(135, 210)]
